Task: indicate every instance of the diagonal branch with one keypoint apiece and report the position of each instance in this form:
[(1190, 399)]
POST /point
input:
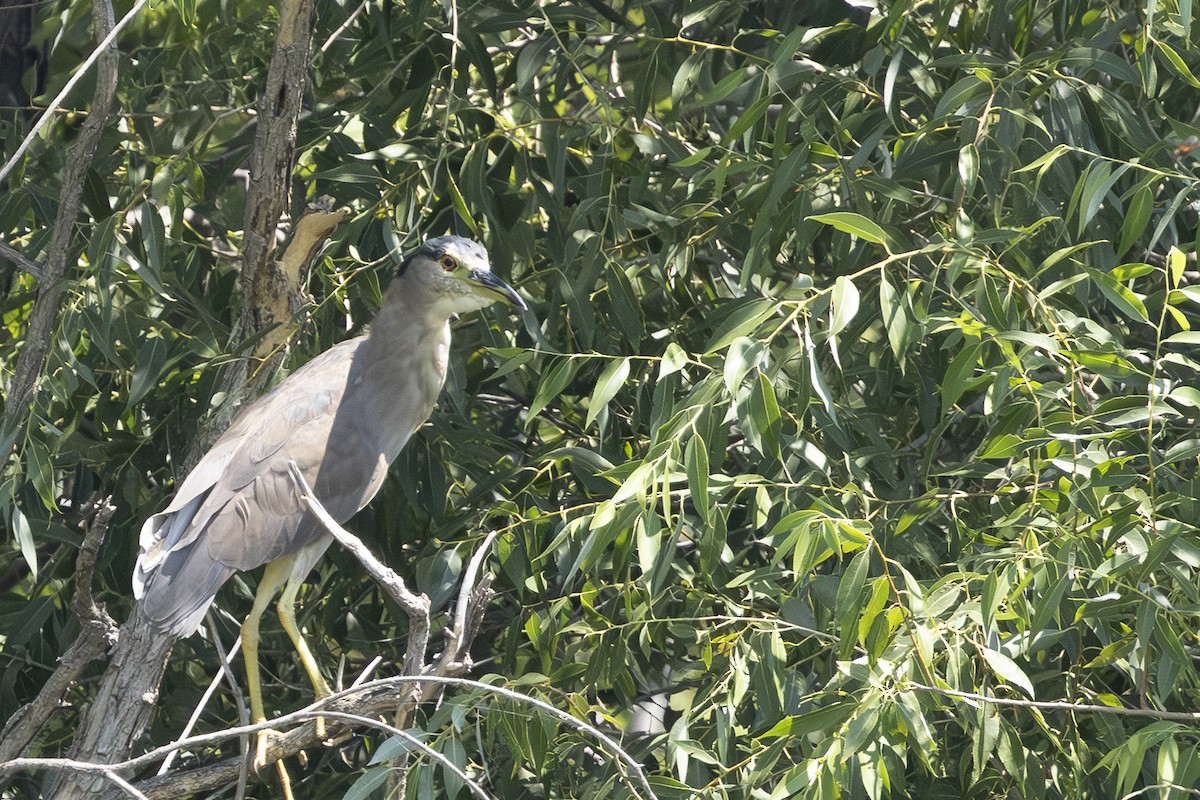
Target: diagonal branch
[(97, 634), (414, 605), (45, 309), (10, 253)]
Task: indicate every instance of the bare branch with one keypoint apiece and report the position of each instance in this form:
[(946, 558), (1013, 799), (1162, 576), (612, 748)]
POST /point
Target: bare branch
[(98, 633), (102, 49), (14, 255), (46, 308), (1185, 717), (414, 605), (361, 706)]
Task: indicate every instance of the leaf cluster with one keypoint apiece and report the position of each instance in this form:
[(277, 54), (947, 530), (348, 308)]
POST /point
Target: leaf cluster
[(860, 374)]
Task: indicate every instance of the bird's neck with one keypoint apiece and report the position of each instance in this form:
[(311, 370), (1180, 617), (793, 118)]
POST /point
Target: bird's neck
[(402, 367)]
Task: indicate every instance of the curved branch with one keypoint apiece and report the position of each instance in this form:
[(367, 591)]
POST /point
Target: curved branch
[(364, 703), (98, 632)]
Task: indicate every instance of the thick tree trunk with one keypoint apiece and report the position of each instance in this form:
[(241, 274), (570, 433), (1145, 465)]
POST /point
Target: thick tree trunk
[(129, 689), (263, 280)]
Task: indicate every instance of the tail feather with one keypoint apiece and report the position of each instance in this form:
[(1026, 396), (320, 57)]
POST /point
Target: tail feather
[(176, 595)]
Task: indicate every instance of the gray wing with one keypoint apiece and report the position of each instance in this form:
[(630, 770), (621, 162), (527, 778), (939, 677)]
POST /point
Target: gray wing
[(239, 508)]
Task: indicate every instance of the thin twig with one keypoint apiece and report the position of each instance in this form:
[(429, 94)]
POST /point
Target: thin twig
[(53, 105), (21, 260), (341, 28), (208, 693), (1187, 717)]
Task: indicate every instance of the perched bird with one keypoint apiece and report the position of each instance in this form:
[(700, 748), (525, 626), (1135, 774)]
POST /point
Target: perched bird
[(343, 418)]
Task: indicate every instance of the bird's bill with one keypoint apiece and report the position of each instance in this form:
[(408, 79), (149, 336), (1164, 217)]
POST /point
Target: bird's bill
[(494, 286)]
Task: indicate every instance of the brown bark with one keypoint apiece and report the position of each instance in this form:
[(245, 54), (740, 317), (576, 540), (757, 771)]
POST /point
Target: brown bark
[(98, 633), (263, 283), (45, 308), (116, 718), (114, 722), (278, 303)]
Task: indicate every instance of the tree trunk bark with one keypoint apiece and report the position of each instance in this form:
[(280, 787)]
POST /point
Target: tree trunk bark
[(46, 307), (262, 279), (127, 694)]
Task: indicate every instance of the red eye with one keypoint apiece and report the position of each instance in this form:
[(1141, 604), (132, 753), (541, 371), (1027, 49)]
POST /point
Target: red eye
[(448, 263)]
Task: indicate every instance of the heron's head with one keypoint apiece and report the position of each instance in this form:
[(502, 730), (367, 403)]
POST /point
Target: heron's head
[(457, 271)]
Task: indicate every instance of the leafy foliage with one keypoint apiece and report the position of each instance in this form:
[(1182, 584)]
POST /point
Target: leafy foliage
[(860, 378)]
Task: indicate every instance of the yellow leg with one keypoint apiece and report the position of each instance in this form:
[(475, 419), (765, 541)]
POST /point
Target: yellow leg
[(275, 575), (287, 616)]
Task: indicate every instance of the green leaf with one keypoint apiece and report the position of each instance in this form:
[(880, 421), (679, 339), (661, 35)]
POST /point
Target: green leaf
[(1137, 217), (895, 318), (1177, 64), (844, 300), (674, 358), (696, 459), (611, 379), (955, 97), (24, 536), (958, 373), (849, 596), (1183, 337), (744, 354), (1007, 670), (552, 385), (1120, 296), (1044, 161), (854, 224), (765, 416), (1176, 263), (712, 542)]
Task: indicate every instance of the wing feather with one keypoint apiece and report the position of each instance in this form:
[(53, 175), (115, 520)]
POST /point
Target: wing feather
[(239, 508)]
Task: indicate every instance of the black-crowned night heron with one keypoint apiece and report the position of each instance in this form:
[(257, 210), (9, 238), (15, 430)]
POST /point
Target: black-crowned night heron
[(343, 418)]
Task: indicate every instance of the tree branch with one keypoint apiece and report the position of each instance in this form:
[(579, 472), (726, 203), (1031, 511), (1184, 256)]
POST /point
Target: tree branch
[(14, 255), (414, 605), (353, 708), (98, 633), (46, 307)]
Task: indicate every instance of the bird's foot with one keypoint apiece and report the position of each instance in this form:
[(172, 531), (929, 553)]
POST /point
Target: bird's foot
[(322, 734), (262, 743)]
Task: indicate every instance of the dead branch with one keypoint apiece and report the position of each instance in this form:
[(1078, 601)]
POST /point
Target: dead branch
[(414, 605), (46, 307), (14, 255), (98, 633), (276, 308)]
